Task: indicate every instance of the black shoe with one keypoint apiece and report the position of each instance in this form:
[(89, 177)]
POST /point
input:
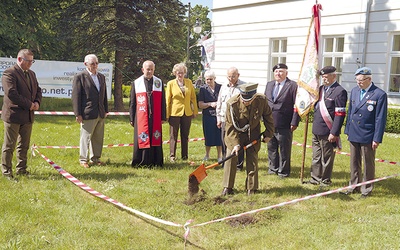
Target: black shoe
[(184, 157), (326, 183), (227, 191), (23, 172), (271, 172)]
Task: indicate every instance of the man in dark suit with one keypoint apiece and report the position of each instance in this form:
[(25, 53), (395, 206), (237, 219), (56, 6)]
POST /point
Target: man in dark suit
[(22, 96), (89, 99), (365, 126), (329, 114), (281, 95)]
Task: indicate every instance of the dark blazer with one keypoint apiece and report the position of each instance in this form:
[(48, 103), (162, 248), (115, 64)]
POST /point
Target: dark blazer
[(335, 100), (283, 106), (87, 101), (366, 119), (19, 95)]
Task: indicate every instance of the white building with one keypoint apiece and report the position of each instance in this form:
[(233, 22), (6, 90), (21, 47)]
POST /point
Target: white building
[(254, 35)]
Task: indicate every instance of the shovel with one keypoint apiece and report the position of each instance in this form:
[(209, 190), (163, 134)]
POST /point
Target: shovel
[(200, 173)]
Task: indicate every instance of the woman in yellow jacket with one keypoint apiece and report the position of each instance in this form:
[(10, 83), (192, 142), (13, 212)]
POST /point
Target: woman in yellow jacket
[(181, 108)]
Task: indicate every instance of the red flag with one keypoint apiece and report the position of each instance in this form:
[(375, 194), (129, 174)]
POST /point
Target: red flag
[(308, 81)]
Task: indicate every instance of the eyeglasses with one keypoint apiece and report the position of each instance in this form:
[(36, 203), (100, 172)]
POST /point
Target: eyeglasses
[(93, 63), (29, 61), (362, 80)]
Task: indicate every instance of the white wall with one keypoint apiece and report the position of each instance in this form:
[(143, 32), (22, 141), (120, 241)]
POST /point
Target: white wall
[(243, 29)]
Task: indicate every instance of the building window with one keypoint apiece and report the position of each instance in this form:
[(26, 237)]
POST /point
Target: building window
[(278, 52), (333, 54), (395, 64)]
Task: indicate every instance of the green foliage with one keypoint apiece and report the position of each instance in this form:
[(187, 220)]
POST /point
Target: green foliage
[(393, 121), (126, 91)]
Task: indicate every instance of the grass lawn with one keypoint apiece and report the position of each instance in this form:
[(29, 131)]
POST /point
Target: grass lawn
[(46, 211)]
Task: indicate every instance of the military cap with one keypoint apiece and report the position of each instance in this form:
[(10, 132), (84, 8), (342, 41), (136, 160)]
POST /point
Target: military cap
[(248, 90), (279, 66), (327, 70), (363, 71)]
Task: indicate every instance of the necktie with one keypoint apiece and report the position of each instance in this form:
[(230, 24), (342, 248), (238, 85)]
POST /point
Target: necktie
[(362, 94), (27, 77), (276, 91)]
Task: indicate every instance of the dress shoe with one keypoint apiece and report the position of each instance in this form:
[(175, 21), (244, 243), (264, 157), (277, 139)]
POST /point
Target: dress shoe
[(227, 191), (85, 165), (22, 172), (239, 168), (96, 163)]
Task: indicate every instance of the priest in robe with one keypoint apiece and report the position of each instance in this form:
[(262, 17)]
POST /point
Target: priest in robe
[(147, 111)]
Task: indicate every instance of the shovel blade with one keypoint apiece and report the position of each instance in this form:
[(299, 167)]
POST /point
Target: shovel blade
[(200, 173)]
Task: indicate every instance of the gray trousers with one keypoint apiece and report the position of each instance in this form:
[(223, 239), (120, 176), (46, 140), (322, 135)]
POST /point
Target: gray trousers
[(365, 152), (279, 152), (15, 135), (91, 140), (322, 159)]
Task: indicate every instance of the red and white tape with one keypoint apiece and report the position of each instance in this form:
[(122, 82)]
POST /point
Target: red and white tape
[(115, 145), (93, 192)]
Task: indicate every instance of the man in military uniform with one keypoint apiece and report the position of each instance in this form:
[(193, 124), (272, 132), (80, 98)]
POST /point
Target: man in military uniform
[(329, 114), (243, 116)]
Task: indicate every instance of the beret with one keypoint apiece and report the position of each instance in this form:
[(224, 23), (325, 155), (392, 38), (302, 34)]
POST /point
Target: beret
[(363, 71), (248, 90), (327, 70), (279, 66)]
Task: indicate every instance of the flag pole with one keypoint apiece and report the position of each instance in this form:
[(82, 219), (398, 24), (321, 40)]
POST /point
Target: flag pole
[(308, 82)]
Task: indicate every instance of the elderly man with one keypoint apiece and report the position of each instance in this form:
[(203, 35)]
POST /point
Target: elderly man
[(281, 95), (244, 113), (329, 114), (89, 100), (365, 126), (147, 110), (226, 92)]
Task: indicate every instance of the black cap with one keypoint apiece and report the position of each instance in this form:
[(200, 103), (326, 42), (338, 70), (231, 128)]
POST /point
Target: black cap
[(327, 70), (279, 66)]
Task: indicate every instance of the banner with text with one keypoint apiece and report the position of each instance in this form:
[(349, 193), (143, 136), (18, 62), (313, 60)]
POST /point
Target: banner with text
[(55, 77)]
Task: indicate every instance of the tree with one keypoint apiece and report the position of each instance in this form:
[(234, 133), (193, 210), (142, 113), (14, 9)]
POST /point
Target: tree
[(29, 24), (126, 33)]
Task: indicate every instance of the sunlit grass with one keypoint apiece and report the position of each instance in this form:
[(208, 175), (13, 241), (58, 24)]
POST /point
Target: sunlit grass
[(46, 211)]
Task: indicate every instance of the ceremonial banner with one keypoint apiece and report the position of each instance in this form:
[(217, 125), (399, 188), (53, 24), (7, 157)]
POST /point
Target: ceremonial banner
[(308, 81), (207, 52)]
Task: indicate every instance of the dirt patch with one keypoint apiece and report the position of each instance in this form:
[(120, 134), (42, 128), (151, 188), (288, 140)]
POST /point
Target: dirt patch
[(243, 220)]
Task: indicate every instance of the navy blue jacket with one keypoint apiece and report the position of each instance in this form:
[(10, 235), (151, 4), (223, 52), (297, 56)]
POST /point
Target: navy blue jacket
[(366, 119)]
